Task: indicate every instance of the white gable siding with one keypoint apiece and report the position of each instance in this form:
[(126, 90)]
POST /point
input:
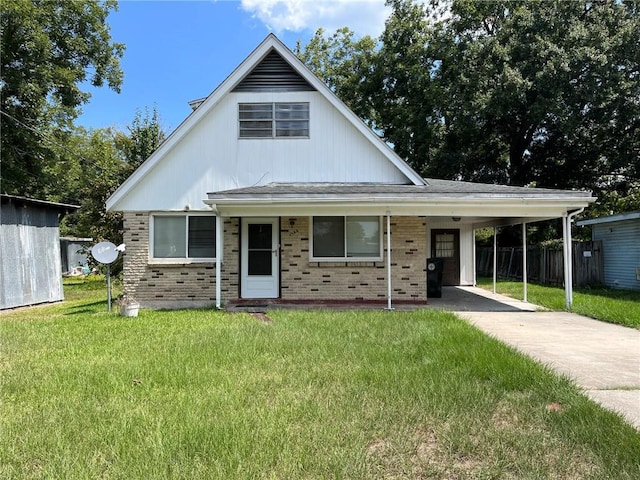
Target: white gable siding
[(211, 157), (621, 245)]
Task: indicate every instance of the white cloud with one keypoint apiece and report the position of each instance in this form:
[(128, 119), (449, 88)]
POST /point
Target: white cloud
[(365, 17)]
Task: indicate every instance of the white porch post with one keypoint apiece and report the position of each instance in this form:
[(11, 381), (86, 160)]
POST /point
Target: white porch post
[(389, 260), (566, 250), (475, 273), (524, 260), (219, 243), (495, 257)]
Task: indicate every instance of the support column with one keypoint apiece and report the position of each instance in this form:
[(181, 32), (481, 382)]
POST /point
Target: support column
[(495, 258), (475, 270), (524, 261), (389, 307)]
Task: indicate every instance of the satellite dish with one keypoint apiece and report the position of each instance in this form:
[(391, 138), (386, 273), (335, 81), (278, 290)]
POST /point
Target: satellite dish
[(104, 252)]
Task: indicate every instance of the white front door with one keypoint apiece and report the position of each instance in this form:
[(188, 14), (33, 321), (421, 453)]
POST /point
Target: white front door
[(260, 264)]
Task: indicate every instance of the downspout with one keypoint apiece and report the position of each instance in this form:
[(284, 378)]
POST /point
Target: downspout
[(219, 236), (389, 307), (568, 257)]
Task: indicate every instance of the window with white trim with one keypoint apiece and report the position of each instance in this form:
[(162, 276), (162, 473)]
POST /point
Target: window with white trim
[(353, 238), (273, 120), (187, 237)]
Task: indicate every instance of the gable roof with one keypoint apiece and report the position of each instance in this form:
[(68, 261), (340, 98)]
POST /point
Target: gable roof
[(253, 65)]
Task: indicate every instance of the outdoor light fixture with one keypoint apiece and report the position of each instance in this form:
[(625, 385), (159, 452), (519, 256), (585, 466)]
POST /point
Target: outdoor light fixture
[(455, 219)]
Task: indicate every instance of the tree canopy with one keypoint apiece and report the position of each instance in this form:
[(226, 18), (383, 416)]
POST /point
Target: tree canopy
[(542, 92), (48, 49)]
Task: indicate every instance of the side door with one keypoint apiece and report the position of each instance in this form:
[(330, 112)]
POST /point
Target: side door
[(446, 244)]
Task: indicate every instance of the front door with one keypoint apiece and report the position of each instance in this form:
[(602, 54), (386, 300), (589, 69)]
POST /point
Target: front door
[(259, 258), (446, 244)]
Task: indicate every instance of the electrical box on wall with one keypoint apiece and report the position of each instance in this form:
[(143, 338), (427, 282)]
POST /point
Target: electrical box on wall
[(638, 273)]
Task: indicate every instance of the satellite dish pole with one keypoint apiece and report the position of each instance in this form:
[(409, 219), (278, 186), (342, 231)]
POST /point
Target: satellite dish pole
[(106, 253)]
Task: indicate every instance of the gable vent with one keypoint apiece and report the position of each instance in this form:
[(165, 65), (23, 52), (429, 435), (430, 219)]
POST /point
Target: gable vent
[(273, 74)]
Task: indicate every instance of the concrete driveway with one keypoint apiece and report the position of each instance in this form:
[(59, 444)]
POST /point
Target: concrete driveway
[(602, 358)]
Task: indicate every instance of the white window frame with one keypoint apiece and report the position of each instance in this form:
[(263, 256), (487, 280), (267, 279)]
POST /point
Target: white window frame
[(179, 260), (346, 258), (274, 121)]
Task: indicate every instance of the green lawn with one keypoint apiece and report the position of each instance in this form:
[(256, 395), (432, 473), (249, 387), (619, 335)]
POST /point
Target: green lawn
[(202, 394), (613, 306)]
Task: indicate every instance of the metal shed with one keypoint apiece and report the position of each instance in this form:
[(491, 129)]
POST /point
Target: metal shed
[(620, 236), (30, 263)]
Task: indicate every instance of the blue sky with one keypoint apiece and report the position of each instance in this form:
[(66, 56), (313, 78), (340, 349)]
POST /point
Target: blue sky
[(179, 51)]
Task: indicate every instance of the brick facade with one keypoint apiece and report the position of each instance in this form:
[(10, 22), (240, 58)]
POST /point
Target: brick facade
[(176, 285), (302, 279), (158, 285)]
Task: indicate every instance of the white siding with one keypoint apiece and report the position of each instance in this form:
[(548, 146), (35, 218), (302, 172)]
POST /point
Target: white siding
[(212, 158), (621, 245), (466, 245)]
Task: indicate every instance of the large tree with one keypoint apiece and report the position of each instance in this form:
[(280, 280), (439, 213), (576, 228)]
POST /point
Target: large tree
[(48, 49), (550, 90), (91, 166), (536, 92)]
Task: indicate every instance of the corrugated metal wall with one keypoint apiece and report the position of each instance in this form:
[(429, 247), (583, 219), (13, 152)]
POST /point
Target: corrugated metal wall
[(621, 245), (30, 266)]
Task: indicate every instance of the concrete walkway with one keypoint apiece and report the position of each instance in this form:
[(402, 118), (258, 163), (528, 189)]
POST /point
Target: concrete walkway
[(602, 358)]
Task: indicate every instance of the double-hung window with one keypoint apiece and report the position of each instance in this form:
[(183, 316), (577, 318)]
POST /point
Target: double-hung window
[(357, 238), (184, 237), (273, 120)]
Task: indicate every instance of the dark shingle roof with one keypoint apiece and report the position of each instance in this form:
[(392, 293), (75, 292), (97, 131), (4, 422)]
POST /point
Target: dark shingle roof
[(434, 187)]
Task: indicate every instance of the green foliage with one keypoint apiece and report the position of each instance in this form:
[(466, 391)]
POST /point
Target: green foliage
[(547, 82), (93, 165), (345, 65), (48, 48), (540, 93)]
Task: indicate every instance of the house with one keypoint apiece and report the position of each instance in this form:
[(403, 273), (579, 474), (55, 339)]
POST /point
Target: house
[(620, 237), (273, 189), (30, 263)]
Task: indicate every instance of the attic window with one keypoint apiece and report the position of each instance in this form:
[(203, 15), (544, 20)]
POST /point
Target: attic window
[(273, 120)]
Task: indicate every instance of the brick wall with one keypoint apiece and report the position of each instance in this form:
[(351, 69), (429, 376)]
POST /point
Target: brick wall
[(194, 285), (302, 279), (175, 285)]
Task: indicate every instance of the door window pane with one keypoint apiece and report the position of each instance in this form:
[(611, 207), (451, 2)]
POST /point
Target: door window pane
[(445, 245), (260, 236), (328, 236), (169, 237), (202, 237), (260, 249), (260, 262), (363, 237)]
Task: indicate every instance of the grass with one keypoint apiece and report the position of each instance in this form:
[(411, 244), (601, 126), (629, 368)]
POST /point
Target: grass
[(310, 394), (614, 306)]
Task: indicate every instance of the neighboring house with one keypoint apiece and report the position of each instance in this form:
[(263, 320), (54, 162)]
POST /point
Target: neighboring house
[(75, 260), (30, 264), (273, 189), (620, 236)]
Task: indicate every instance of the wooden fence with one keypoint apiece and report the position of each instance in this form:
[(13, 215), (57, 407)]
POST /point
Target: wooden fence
[(545, 265)]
